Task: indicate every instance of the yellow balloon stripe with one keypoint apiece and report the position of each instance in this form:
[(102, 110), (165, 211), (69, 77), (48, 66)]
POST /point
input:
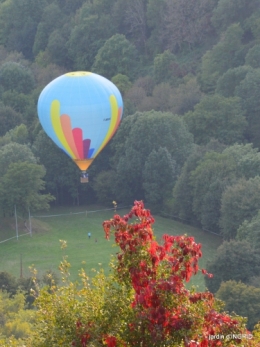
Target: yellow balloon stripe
[(56, 124), (78, 73), (113, 122)]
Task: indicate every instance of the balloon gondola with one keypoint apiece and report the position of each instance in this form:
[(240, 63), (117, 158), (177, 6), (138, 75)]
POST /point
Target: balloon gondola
[(80, 111)]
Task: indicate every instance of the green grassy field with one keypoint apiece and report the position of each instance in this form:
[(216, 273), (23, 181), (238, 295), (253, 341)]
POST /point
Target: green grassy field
[(43, 248)]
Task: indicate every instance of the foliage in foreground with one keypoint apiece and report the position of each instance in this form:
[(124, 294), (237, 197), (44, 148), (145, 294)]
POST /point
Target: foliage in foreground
[(143, 302), (15, 320)]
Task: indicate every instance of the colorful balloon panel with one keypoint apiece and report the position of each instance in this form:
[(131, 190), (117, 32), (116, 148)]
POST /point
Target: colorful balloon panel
[(80, 112)]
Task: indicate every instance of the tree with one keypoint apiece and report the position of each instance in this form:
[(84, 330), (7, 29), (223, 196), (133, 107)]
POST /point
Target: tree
[(69, 7), (21, 19), (249, 230), (213, 174), (12, 286), (93, 27), (52, 18), (57, 46), (158, 177), (136, 95), (4, 9), (253, 25), (46, 73), (146, 286), (228, 82), (176, 32), (122, 82), (237, 161), (248, 91), (148, 103), (116, 56), (183, 191), (253, 56), (22, 185), (7, 283), (161, 98), (242, 299), (217, 117), (165, 65), (231, 11), (118, 141), (247, 160), (104, 187), (185, 97), (9, 118), (21, 103), (127, 183), (239, 202), (220, 58), (210, 213), (167, 21), (139, 96), (15, 77), (208, 171), (209, 179), (243, 263), (147, 83), (14, 153), (161, 130), (19, 134), (134, 18), (155, 18)]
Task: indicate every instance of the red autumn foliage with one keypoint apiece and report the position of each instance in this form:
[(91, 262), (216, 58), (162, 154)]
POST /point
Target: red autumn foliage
[(163, 308), (110, 341)]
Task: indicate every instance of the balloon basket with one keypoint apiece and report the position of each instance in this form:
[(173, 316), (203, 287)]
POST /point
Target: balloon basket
[(83, 179)]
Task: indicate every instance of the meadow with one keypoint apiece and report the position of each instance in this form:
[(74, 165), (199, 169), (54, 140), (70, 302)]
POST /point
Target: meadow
[(73, 224)]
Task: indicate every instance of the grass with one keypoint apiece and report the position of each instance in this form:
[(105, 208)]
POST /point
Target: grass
[(43, 248)]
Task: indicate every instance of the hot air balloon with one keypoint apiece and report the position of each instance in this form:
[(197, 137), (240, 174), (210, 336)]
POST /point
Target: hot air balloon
[(80, 111)]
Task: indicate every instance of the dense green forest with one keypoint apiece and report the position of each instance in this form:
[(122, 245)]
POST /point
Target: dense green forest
[(188, 144)]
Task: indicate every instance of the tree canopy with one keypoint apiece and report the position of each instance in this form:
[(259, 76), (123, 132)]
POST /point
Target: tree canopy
[(21, 186)]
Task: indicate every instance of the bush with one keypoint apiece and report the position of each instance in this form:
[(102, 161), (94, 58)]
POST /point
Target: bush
[(143, 302)]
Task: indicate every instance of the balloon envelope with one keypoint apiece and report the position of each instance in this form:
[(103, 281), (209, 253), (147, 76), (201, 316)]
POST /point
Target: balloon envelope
[(80, 111)]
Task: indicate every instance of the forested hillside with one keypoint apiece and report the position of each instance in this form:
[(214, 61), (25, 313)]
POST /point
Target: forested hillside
[(189, 73)]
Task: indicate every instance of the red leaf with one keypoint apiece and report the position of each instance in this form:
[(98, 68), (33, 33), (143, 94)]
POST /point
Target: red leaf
[(110, 341)]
